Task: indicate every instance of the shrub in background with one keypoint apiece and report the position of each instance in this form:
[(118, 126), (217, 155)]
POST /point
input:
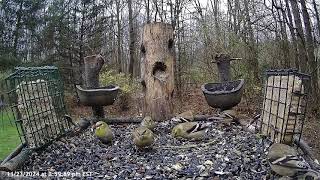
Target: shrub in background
[(127, 86), (3, 75), (8, 62)]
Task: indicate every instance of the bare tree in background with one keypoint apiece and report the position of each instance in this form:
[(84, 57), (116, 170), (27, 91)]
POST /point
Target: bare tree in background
[(266, 34), (131, 40), (313, 68)]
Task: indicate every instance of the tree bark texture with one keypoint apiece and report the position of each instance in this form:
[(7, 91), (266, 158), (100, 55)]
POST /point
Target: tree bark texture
[(119, 59), (312, 63), (300, 36), (92, 67), (293, 36), (157, 70), (223, 63), (316, 15), (253, 62), (131, 39), (16, 162)]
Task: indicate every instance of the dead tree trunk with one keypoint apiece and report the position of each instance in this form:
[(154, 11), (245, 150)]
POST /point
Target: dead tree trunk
[(16, 162), (92, 67), (223, 63), (157, 70)]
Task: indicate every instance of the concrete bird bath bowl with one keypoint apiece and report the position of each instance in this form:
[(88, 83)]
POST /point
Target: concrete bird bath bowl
[(102, 96), (223, 95)]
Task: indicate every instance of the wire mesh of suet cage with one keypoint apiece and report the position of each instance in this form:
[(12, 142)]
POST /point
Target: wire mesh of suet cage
[(284, 105), (9, 137), (36, 98), (3, 110), (6, 118)]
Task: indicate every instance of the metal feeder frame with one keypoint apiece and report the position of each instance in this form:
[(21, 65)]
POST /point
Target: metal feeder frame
[(34, 85), (298, 116)]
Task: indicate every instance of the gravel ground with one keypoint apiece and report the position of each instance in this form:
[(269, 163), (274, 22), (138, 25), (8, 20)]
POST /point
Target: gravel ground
[(228, 152)]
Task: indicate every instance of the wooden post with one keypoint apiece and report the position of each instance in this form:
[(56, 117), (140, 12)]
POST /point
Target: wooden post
[(92, 67), (16, 162), (157, 70), (223, 63)]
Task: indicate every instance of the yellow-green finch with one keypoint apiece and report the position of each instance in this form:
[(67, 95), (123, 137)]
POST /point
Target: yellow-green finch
[(103, 132), (143, 137), (190, 130), (148, 123)]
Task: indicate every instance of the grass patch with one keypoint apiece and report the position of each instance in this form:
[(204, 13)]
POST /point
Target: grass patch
[(9, 138)]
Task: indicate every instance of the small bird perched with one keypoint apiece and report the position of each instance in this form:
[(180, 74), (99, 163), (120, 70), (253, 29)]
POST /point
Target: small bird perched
[(148, 123), (143, 137), (285, 161), (190, 130), (103, 132), (186, 116), (83, 123)]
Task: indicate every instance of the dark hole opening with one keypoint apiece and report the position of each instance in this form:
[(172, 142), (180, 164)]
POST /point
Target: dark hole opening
[(158, 66), (143, 49), (170, 43)]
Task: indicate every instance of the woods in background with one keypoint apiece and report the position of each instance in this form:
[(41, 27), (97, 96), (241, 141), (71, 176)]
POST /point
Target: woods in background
[(266, 34)]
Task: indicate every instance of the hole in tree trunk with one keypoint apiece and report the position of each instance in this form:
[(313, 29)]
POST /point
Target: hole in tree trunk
[(159, 67), (143, 49), (170, 43), (143, 83)]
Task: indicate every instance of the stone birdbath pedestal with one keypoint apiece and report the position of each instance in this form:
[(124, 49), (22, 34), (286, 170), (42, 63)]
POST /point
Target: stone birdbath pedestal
[(92, 94), (225, 94)]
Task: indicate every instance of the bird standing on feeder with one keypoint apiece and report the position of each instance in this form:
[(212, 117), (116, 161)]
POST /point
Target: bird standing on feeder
[(148, 123), (143, 137), (285, 161), (190, 130), (103, 132)]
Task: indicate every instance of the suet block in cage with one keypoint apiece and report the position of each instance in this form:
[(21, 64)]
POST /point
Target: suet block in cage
[(284, 105), (36, 98)]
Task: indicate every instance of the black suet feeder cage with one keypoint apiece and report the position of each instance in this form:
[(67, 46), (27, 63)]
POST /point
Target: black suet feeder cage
[(284, 105), (36, 98)]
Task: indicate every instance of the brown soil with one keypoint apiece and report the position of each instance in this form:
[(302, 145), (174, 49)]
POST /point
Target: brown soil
[(311, 134)]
